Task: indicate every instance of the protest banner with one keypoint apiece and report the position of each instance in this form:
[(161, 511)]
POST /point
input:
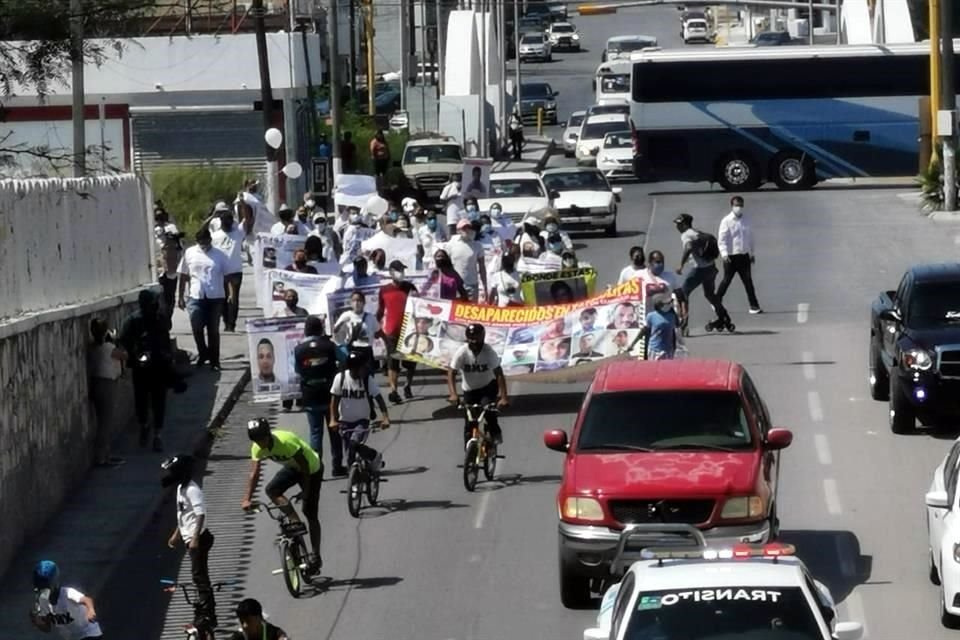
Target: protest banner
[(476, 177), (353, 239), (540, 343), (558, 287), (549, 262), (271, 343), (309, 288), (271, 252), (402, 249), (353, 190)]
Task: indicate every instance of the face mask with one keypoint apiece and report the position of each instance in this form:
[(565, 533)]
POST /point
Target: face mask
[(552, 227), (311, 204), (486, 228), (320, 225), (656, 268), (496, 213), (443, 263), (394, 216), (291, 304), (569, 264), (638, 260), (357, 307), (738, 211), (467, 234), (354, 218), (473, 216), (226, 222), (556, 247), (471, 208), (396, 275), (432, 224)]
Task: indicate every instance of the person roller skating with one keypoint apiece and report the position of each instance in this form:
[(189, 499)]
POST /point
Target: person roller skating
[(701, 248)]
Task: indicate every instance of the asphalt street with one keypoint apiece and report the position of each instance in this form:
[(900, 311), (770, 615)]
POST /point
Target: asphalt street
[(434, 562)]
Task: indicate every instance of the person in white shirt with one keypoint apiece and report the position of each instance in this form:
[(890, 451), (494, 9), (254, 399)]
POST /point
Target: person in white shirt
[(482, 379), (263, 218), (288, 220), (104, 366), (168, 253), (452, 203), (735, 239), (65, 609), (356, 328), (353, 393), (502, 224), (656, 274), (636, 267), (192, 530), (491, 242), (551, 227), (531, 236), (429, 235), (353, 236), (354, 279), (505, 285), (466, 254), (203, 268), (229, 239), (331, 240)]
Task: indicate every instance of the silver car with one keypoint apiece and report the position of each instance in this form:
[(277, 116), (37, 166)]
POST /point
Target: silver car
[(535, 46), (571, 131)]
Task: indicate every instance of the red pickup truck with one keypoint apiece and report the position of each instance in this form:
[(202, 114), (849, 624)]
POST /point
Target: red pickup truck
[(666, 441)]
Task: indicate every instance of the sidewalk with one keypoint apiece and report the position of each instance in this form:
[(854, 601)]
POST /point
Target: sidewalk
[(96, 525), (536, 153)]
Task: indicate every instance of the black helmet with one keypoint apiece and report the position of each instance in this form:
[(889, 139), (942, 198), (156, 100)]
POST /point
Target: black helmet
[(176, 470), (475, 332), (356, 359), (258, 429)]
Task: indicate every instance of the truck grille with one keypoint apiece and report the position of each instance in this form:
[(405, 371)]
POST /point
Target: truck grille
[(949, 363), (665, 511), (433, 181)]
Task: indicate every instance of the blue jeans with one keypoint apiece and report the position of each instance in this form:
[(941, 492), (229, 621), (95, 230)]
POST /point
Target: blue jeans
[(316, 419), (205, 313), (706, 277)]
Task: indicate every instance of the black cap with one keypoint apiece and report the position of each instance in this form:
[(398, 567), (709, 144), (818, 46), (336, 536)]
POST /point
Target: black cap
[(399, 266), (683, 218)]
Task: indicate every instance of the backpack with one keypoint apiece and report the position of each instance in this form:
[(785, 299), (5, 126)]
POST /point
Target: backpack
[(705, 246)]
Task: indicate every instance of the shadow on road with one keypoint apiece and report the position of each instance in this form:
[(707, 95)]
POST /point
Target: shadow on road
[(403, 471), (516, 479), (386, 507), (833, 557)]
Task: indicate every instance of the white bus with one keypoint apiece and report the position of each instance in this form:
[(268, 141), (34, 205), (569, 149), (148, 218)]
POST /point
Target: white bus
[(788, 115), (612, 81)]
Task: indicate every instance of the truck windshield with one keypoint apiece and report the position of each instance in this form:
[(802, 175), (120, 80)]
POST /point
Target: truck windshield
[(935, 304), (429, 154), (664, 420), (745, 613)]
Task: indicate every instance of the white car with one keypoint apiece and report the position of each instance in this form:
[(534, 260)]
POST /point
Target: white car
[(592, 132), (696, 30), (571, 131), (697, 592), (563, 35), (610, 105), (620, 47), (584, 199), (943, 525), (617, 155), (535, 46), (518, 192)]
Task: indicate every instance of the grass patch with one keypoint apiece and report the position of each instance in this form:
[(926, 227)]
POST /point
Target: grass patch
[(189, 193)]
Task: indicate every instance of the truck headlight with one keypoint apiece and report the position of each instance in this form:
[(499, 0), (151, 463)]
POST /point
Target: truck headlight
[(916, 359), (576, 36), (551, 105), (582, 509), (743, 507)]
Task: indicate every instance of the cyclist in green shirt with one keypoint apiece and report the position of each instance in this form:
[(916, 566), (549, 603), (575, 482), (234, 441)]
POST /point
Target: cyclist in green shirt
[(301, 465)]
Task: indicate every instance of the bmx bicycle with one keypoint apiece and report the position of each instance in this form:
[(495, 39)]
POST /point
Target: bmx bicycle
[(294, 558), (481, 450), (203, 626), (363, 479)]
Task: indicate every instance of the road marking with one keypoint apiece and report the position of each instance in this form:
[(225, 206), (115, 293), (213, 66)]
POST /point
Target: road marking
[(855, 611), (832, 496), (813, 403), (646, 236), (802, 310), (809, 371), (823, 449), (481, 510), (956, 239)]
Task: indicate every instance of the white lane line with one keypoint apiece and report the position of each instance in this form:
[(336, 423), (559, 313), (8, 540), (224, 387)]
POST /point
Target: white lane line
[(813, 403), (956, 239), (481, 510), (809, 371), (855, 611), (802, 310), (832, 496), (823, 449), (646, 236)]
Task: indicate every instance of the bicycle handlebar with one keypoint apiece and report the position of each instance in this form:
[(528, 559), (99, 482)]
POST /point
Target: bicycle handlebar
[(490, 406), (271, 509)]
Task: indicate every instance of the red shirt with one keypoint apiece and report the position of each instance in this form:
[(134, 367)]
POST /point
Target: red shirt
[(393, 301)]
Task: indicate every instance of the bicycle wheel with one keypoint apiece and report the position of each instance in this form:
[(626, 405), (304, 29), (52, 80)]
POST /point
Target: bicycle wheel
[(490, 460), (470, 467), (355, 491), (291, 557), (373, 486)]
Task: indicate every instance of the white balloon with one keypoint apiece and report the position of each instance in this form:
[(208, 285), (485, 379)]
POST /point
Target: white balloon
[(273, 137), (377, 206), (292, 170)]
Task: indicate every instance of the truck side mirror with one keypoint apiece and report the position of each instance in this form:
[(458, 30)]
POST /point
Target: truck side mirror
[(890, 315)]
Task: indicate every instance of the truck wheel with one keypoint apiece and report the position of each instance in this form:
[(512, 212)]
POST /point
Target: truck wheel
[(738, 171), (879, 377), (903, 418), (792, 170), (574, 589)]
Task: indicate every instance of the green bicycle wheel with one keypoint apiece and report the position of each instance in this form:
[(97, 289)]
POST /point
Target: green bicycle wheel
[(292, 555)]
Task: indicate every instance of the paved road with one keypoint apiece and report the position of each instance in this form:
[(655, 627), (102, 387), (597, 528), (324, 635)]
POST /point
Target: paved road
[(438, 563)]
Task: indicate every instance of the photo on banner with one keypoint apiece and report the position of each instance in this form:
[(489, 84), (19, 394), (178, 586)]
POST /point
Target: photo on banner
[(402, 249), (271, 343), (312, 298), (271, 252), (475, 181), (558, 287)]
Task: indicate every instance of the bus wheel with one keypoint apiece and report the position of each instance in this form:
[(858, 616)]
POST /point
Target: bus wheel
[(793, 170), (738, 172)]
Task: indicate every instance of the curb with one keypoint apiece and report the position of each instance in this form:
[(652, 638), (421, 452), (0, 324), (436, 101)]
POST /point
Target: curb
[(201, 448)]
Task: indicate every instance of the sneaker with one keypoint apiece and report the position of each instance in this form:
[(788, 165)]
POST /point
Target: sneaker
[(408, 392), (395, 397), (314, 566), (755, 310), (157, 444), (339, 471), (144, 436)]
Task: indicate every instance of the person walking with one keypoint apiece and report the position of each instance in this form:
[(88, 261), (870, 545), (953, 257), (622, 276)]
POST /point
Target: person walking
[(203, 268), (660, 328), (315, 363), (229, 240), (104, 366), (356, 328), (635, 268), (700, 250), (468, 259), (449, 280), (380, 154), (191, 529), (391, 304), (145, 337), (168, 254), (516, 134), (66, 609), (348, 153), (735, 239)]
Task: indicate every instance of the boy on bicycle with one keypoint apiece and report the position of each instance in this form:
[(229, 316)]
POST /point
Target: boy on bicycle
[(353, 393), (301, 465), (483, 380)]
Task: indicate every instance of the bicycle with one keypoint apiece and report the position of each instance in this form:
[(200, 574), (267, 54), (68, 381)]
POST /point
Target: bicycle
[(202, 627), (363, 479), (294, 557), (481, 450)]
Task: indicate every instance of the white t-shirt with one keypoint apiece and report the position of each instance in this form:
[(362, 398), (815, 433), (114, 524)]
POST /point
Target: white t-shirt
[(280, 229), (263, 218), (343, 330), (504, 282), (68, 617), (630, 272), (206, 270), (231, 244), (189, 509), (465, 256), (429, 241), (354, 398), (476, 370), (102, 363)]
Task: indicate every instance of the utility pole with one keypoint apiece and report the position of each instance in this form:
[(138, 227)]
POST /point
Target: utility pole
[(516, 58), (948, 103), (266, 97), (404, 54), (79, 95), (482, 138), (353, 49), (371, 71), (335, 101), (934, 13), (441, 54), (502, 48)]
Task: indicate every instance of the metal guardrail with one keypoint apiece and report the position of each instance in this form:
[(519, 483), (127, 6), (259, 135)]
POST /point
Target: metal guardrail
[(636, 530)]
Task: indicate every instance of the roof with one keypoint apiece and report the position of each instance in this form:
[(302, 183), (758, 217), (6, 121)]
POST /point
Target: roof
[(630, 38), (578, 113), (512, 175), (667, 375), (712, 54), (562, 24), (556, 170), (424, 142), (706, 574), (606, 117), (942, 272)]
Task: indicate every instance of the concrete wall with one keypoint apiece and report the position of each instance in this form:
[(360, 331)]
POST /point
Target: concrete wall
[(65, 242)]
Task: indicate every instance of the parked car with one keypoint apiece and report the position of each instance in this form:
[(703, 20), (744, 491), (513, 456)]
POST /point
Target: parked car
[(592, 132), (663, 441), (564, 35), (772, 39), (535, 46), (430, 162), (571, 131), (518, 192), (943, 529), (610, 105), (535, 96), (533, 24), (585, 200), (620, 47), (618, 157)]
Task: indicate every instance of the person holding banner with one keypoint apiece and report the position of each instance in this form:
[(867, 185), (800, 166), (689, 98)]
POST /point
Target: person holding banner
[(482, 379), (359, 277), (505, 289), (331, 241), (391, 305), (551, 227), (429, 235), (355, 329), (292, 308), (635, 268), (466, 254), (299, 264)]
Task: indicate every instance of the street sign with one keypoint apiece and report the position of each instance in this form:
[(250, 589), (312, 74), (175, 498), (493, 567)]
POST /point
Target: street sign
[(320, 168)]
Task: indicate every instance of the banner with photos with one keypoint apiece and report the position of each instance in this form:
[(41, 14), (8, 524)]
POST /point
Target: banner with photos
[(271, 252), (311, 297), (558, 287), (425, 282), (541, 343), (271, 343)]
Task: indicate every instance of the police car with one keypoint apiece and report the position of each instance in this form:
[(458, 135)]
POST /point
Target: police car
[(696, 592)]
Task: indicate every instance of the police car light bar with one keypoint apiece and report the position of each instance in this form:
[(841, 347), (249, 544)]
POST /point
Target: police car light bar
[(770, 550)]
